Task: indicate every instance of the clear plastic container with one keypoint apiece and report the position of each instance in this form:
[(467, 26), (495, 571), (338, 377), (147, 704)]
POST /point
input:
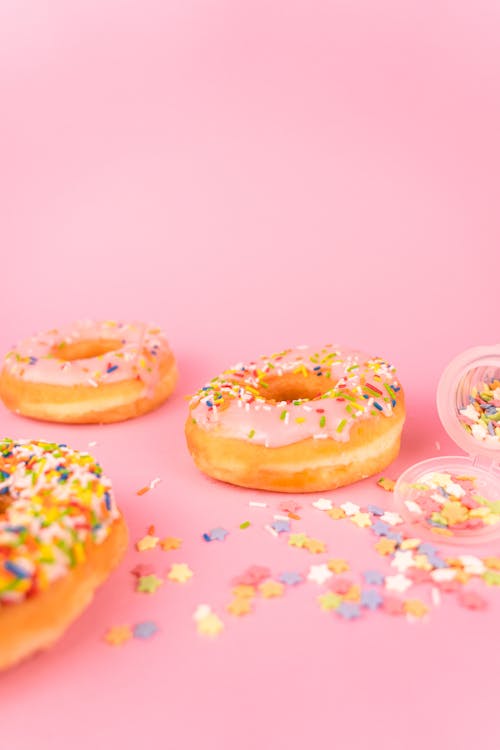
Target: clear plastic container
[(456, 499)]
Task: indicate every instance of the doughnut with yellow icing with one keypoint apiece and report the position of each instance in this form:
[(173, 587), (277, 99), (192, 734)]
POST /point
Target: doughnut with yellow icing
[(61, 535), (302, 420), (89, 372)]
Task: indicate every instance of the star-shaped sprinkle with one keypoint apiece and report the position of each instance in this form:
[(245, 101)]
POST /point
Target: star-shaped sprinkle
[(443, 574), (492, 562), (281, 526), (393, 519), (338, 565), (348, 610), (380, 528), (336, 513), (145, 630), (148, 584), (118, 634), (399, 583), (415, 608), (290, 578), (319, 573), (239, 606), (169, 543), (350, 509), (375, 510), (386, 484), (471, 600), (271, 589), (297, 540), (253, 575), (314, 546), (201, 611), (180, 573), (371, 599), (289, 506), (323, 504), (211, 625), (142, 570), (243, 591), (492, 578), (385, 546), (341, 585), (218, 534), (353, 594), (373, 577), (147, 542), (403, 560), (363, 520), (329, 601), (472, 564), (454, 513), (411, 543), (393, 606)]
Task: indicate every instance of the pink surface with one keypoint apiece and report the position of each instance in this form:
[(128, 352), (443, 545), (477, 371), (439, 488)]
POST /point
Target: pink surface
[(250, 176)]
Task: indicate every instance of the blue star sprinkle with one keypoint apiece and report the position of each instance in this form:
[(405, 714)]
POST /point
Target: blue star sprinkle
[(145, 630)]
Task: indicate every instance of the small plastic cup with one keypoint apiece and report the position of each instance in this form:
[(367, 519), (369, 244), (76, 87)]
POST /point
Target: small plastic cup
[(456, 499)]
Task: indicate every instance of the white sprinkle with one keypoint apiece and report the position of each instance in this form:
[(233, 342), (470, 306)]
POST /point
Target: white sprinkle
[(92, 382), (279, 517), (413, 507), (202, 611), (154, 482), (435, 596), (323, 504), (350, 509), (443, 574), (271, 530), (319, 436), (256, 504), (92, 444)]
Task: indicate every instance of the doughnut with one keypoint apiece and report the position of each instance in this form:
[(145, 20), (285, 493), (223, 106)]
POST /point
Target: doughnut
[(302, 420), (61, 535), (91, 372)]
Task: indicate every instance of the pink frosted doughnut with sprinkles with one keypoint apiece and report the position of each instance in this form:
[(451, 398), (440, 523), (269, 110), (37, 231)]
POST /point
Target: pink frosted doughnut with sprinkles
[(302, 420), (61, 535), (89, 372)]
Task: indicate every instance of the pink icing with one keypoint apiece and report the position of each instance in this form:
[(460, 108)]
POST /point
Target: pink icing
[(358, 386), (139, 351)]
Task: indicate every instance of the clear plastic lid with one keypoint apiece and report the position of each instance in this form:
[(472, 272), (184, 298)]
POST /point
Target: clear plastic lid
[(457, 498)]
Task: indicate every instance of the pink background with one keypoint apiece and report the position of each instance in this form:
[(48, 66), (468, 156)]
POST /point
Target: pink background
[(252, 175)]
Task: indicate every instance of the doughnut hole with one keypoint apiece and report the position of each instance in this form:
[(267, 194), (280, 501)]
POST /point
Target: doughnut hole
[(294, 387), (85, 349)]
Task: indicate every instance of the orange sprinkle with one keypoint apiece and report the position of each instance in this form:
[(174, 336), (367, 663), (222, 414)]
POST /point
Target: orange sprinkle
[(142, 491)]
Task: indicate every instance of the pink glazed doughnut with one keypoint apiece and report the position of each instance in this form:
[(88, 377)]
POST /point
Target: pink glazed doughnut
[(302, 420), (89, 372)]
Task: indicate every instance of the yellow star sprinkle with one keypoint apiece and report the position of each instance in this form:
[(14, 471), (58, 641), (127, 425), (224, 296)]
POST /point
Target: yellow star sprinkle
[(354, 594), (170, 542), (454, 513), (147, 542), (180, 573), (362, 520), (415, 607), (329, 601), (271, 589), (422, 562), (210, 625), (239, 607), (492, 562), (297, 540), (118, 635), (386, 484), (336, 513), (385, 546), (244, 591), (410, 543), (314, 546), (337, 565)]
